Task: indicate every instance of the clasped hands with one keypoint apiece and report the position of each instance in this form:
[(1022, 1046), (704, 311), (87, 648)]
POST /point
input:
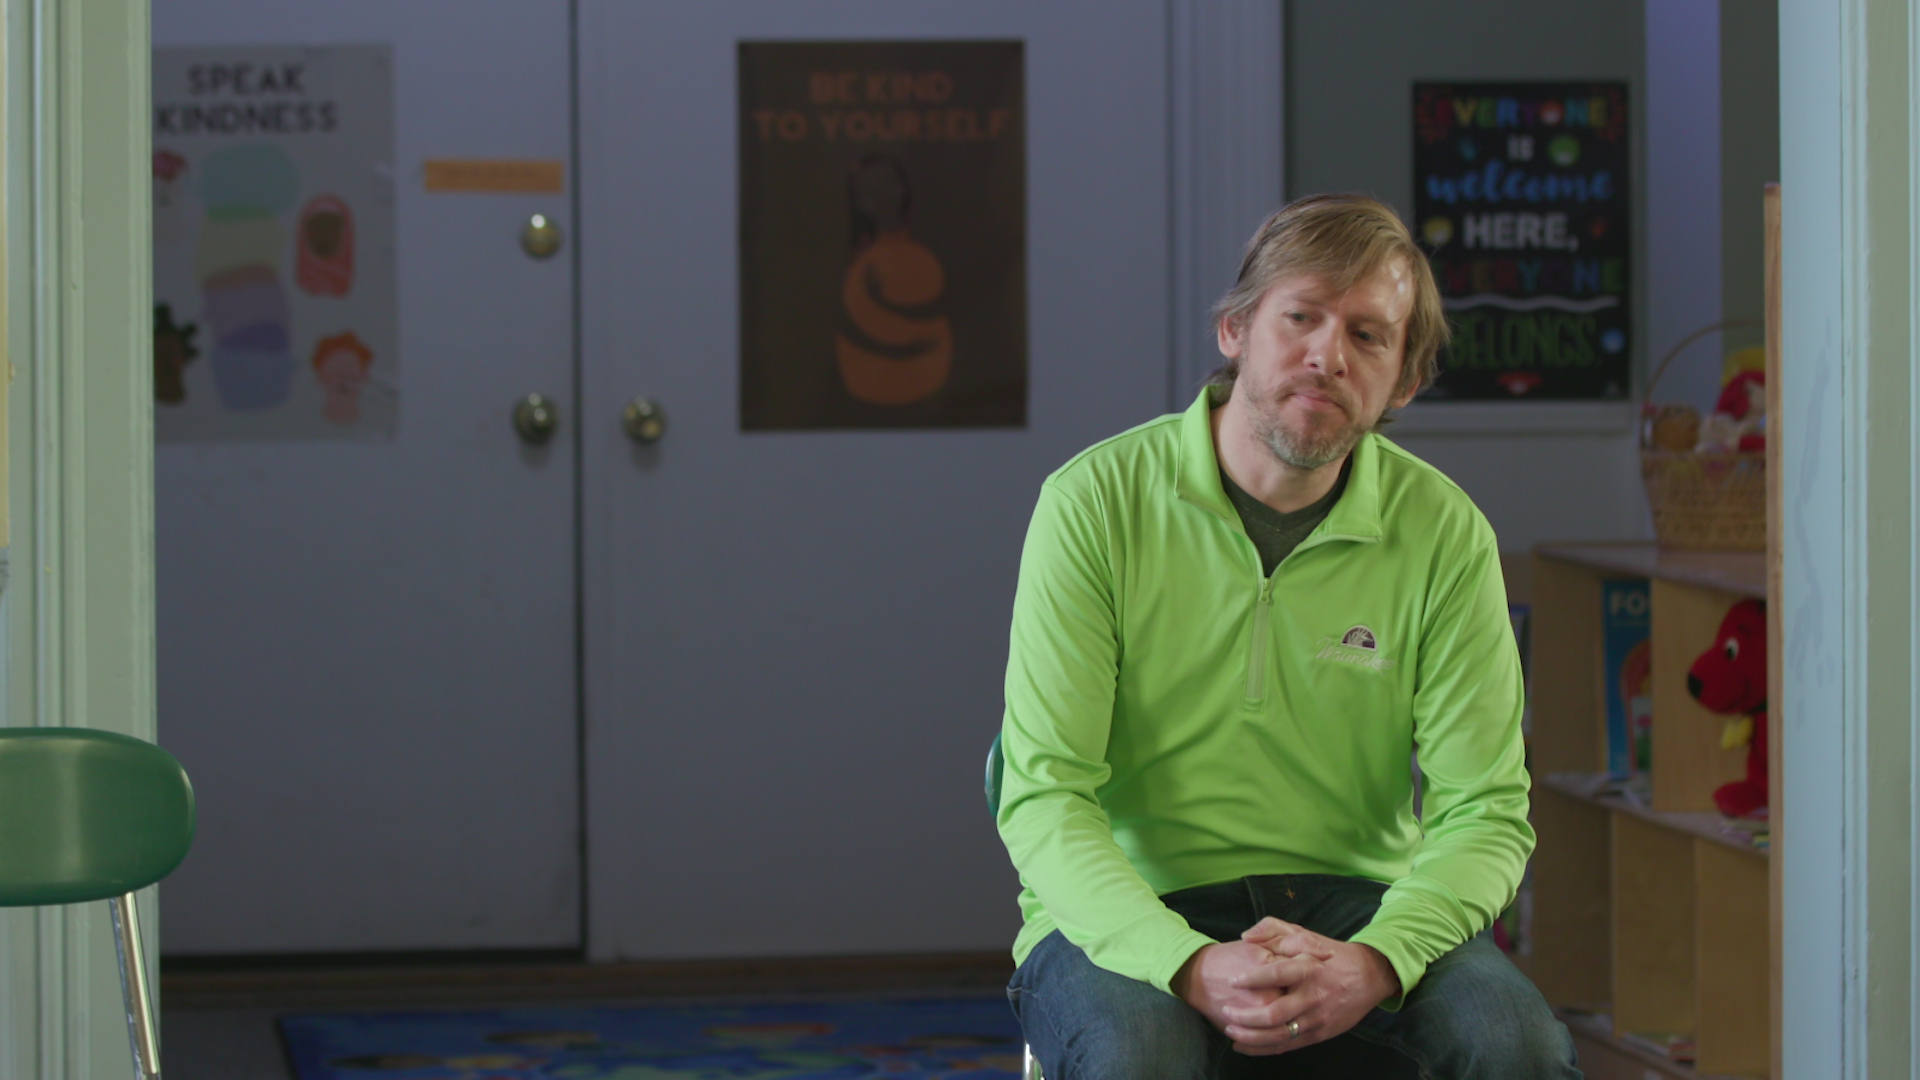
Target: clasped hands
[(1280, 974)]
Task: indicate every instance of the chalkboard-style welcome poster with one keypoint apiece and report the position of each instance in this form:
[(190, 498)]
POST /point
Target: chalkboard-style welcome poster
[(882, 235), (1520, 197)]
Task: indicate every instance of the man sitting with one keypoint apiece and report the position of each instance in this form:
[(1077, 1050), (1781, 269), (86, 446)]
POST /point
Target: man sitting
[(1234, 626)]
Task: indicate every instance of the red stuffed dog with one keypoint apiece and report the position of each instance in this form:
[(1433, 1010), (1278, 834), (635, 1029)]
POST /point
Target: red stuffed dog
[(1731, 678)]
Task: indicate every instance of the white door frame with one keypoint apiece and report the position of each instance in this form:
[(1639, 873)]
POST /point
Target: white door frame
[(1850, 183), (78, 332)]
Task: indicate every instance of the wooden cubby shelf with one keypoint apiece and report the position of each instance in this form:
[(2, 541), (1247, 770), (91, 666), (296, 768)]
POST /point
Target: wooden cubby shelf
[(1604, 1057), (1650, 913), (1738, 573), (1708, 826)]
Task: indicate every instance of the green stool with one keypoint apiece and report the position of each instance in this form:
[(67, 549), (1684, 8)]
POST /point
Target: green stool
[(91, 815), (996, 765)]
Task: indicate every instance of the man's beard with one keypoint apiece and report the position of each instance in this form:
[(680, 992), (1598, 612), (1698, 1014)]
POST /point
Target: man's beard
[(1310, 451)]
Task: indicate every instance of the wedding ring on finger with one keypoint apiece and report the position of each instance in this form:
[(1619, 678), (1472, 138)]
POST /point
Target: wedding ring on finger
[(1293, 1030)]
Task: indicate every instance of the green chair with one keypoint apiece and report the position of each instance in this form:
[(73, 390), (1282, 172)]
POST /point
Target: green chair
[(91, 815), (996, 765)]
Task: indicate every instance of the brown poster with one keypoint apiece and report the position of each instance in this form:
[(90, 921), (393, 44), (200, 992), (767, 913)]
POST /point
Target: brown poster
[(882, 235)]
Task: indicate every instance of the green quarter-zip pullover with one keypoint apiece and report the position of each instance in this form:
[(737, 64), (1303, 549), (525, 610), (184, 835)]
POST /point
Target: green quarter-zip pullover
[(1175, 717)]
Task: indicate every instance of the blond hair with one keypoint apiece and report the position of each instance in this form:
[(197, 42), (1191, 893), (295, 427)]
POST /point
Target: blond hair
[(1338, 239)]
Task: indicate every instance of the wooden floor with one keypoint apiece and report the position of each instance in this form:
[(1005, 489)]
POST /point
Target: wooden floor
[(304, 983)]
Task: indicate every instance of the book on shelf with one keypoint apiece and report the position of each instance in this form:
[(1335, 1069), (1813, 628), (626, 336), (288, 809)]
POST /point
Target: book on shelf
[(1754, 830), (1637, 791), (1627, 659), (1673, 1047), (1633, 788)]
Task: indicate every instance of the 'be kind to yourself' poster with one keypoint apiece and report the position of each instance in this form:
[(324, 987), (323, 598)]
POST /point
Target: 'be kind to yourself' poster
[(882, 235)]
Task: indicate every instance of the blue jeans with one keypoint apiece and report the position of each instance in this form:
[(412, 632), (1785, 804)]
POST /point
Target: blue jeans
[(1474, 1016)]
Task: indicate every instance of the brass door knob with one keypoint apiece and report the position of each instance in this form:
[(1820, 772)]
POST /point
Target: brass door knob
[(644, 420), (541, 237), (536, 418)]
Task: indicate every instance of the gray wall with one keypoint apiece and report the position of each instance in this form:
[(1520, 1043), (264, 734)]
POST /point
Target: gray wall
[(1350, 66), (1712, 142), (1683, 237), (1749, 153)]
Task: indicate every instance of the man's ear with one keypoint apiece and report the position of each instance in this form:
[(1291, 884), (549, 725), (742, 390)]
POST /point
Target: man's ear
[(1231, 336), (1412, 391)]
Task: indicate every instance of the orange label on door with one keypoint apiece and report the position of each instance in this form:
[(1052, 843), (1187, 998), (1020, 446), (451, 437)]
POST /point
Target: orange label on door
[(505, 175)]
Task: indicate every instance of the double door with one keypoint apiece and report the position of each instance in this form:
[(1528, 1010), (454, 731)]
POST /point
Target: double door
[(724, 693)]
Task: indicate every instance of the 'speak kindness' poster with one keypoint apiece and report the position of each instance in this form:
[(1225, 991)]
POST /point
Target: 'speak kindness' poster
[(882, 235), (275, 303), (1520, 198)]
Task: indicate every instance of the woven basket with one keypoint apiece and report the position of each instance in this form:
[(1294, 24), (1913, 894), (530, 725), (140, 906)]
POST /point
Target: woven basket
[(1704, 502), (1707, 502)]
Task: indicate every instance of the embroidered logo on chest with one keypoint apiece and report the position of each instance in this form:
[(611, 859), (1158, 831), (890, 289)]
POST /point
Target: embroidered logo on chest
[(1359, 646)]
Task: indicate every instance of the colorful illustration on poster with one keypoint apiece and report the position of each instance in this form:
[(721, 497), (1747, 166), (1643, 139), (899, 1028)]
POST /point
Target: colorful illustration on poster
[(341, 363), (890, 353), (273, 231), (244, 190), (172, 350), (168, 169), (326, 247), (1521, 200), (883, 235)]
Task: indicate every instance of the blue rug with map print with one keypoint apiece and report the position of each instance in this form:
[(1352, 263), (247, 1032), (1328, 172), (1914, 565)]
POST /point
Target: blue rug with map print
[(968, 1039)]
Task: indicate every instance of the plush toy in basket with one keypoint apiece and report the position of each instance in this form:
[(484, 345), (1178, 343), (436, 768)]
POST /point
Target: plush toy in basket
[(1730, 678), (1739, 420), (1706, 479)]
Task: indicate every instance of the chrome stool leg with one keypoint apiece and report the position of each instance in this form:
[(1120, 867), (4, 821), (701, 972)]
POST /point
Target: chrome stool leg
[(133, 986)]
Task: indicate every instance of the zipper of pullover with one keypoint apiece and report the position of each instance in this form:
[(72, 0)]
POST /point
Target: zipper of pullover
[(1262, 625), (1263, 613)]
